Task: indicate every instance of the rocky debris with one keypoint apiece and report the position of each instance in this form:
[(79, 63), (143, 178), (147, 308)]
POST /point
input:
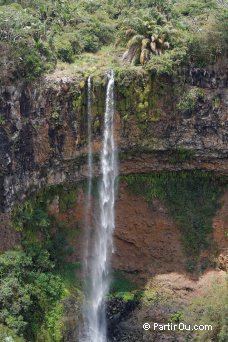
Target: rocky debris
[(126, 319), (172, 295), (118, 312), (223, 260), (205, 79)]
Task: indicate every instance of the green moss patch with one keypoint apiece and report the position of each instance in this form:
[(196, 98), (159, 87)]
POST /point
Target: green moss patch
[(122, 286)]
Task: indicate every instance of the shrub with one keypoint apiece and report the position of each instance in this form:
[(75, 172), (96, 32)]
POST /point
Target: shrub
[(28, 292), (208, 43), (59, 249), (193, 31), (91, 6), (30, 216), (30, 64), (36, 225), (7, 335), (212, 309), (167, 63), (194, 7), (67, 200), (64, 49), (93, 34), (189, 100)]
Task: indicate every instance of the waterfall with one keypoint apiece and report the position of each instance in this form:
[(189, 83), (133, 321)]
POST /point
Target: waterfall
[(102, 244), (83, 329), (90, 160), (90, 175)]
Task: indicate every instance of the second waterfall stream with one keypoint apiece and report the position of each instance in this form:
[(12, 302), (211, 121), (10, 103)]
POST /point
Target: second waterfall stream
[(101, 241)]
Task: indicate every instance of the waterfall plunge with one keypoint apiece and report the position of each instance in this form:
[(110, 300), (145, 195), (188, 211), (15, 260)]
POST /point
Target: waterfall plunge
[(90, 158), (102, 244), (90, 175)]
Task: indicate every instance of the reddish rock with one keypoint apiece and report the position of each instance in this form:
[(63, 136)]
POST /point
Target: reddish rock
[(146, 238)]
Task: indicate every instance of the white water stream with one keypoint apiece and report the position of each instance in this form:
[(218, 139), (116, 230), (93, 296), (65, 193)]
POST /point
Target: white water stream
[(90, 176), (98, 266), (90, 158)]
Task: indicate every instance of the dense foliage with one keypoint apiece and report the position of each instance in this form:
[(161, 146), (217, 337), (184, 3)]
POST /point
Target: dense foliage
[(35, 34), (30, 295), (36, 279)]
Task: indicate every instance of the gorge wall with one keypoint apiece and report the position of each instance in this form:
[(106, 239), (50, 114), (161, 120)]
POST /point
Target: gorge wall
[(162, 123)]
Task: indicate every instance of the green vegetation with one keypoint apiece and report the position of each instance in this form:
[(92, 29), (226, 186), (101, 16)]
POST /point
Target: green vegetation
[(2, 121), (7, 334), (150, 296), (67, 200), (33, 220), (30, 294), (35, 34), (88, 36), (35, 280), (162, 35), (177, 317), (122, 286), (180, 155), (192, 198), (168, 63), (211, 309), (189, 100), (32, 215)]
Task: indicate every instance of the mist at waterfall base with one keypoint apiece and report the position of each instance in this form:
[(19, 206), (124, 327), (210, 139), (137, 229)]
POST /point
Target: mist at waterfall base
[(99, 244)]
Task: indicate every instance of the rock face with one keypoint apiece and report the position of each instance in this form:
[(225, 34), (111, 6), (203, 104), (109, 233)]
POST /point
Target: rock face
[(72, 312), (9, 237), (146, 238), (33, 141), (118, 312), (43, 128)]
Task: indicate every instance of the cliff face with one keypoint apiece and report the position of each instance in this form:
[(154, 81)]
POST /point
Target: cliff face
[(161, 124)]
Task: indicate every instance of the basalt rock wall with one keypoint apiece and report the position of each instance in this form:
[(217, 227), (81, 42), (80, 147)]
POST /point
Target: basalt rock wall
[(162, 123)]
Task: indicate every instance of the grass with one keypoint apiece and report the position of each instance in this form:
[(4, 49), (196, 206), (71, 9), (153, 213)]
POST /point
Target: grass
[(88, 64), (91, 35), (122, 286), (180, 155)]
